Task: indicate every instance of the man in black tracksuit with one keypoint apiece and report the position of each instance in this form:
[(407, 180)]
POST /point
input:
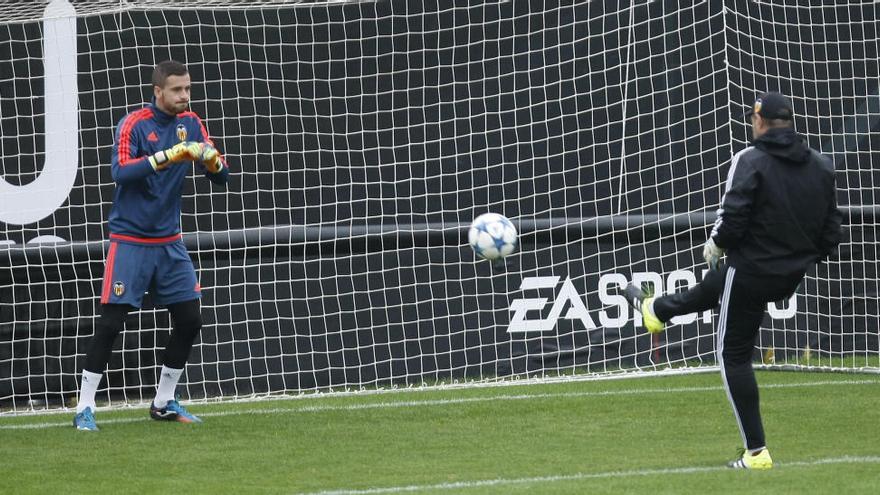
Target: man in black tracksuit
[(778, 216)]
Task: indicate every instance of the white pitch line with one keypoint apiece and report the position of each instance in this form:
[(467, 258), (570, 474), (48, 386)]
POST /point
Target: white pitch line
[(463, 485), (443, 402)]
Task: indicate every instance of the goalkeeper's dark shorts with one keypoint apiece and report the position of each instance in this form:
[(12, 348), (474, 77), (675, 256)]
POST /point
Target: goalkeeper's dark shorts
[(135, 266)]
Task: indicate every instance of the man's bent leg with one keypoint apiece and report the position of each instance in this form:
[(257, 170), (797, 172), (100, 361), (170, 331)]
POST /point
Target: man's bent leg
[(702, 297)]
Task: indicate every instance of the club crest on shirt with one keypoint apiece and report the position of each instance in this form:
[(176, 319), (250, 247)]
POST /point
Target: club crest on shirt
[(181, 132), (118, 288)]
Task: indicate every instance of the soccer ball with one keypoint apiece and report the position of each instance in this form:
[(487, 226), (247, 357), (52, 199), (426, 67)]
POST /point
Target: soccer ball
[(492, 236)]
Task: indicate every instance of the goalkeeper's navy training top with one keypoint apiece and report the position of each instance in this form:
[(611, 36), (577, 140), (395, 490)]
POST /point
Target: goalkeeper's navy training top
[(779, 212), (146, 203)]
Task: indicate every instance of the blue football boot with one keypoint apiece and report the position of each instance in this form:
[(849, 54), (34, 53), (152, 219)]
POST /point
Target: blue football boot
[(85, 421), (173, 411)]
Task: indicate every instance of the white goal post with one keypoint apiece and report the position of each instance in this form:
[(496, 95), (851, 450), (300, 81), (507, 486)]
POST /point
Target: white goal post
[(365, 136)]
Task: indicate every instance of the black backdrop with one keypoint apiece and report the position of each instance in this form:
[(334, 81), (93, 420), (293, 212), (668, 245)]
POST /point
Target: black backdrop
[(363, 137)]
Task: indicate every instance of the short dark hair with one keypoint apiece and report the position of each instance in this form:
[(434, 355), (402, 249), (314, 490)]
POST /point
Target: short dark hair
[(165, 69)]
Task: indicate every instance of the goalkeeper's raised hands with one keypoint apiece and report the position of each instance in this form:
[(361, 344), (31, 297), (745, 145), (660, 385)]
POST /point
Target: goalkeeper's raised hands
[(178, 153), (188, 151), (207, 155)]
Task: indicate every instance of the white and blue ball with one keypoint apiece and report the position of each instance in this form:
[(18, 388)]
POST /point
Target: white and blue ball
[(492, 236)]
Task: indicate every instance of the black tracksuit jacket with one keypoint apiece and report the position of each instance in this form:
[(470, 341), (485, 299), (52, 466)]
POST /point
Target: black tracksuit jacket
[(779, 212)]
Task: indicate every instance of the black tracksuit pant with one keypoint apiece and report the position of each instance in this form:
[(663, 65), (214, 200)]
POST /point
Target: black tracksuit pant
[(702, 297), (744, 299)]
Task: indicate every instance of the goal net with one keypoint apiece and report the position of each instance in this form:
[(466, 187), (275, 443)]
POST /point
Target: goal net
[(363, 138)]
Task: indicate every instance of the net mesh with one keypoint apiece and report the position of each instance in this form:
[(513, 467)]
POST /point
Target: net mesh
[(365, 136)]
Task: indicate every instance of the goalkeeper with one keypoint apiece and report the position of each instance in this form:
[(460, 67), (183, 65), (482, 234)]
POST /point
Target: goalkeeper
[(154, 149), (778, 216)]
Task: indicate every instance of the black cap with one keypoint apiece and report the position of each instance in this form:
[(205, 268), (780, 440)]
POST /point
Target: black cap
[(772, 105)]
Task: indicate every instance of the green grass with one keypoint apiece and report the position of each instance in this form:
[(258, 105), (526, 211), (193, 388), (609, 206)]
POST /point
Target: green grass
[(667, 434)]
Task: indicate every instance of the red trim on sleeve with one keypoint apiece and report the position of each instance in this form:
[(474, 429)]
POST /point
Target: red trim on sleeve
[(124, 145), (108, 274)]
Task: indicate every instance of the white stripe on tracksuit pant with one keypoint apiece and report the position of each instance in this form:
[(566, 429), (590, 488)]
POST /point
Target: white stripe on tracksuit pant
[(743, 303)]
